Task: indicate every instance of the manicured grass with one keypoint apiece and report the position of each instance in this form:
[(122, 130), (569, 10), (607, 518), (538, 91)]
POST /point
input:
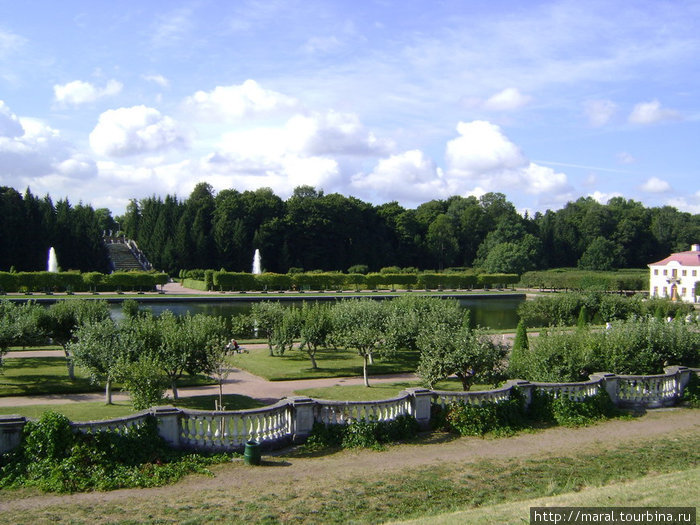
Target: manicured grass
[(97, 410), (331, 363), (377, 391), (412, 492), (26, 376)]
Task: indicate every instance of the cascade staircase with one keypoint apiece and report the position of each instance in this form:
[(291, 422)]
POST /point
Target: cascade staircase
[(124, 255)]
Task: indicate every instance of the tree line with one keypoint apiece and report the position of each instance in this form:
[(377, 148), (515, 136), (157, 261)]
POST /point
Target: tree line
[(312, 230)]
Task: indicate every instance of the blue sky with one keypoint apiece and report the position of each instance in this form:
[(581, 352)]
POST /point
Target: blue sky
[(384, 100)]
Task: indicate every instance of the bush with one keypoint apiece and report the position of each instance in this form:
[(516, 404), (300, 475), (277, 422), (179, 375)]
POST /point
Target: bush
[(691, 394), (502, 418), (567, 412), (145, 381), (363, 433), (53, 458)]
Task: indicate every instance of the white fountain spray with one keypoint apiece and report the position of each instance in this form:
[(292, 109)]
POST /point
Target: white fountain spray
[(257, 261), (52, 264)]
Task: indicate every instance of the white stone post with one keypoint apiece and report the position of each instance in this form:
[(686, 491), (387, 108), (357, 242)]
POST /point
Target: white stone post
[(421, 402), (303, 417), (11, 427), (609, 382), (168, 424)]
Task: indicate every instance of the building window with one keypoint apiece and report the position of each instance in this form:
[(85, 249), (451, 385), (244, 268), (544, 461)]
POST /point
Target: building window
[(665, 291), (656, 272), (695, 272), (683, 291), (656, 291), (674, 273), (684, 273)]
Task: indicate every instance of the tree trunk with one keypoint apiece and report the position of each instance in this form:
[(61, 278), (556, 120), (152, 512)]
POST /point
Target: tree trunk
[(173, 386), (314, 366), (221, 395), (69, 364), (364, 368), (108, 392), (464, 378)]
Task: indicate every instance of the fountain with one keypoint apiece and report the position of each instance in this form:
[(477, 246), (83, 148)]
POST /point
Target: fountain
[(52, 264), (257, 268)]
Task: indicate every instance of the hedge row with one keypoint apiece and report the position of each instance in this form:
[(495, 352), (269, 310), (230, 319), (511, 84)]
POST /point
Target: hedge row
[(242, 281), (562, 279), (79, 282)]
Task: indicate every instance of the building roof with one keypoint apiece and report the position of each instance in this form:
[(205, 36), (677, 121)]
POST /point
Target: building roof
[(689, 258)]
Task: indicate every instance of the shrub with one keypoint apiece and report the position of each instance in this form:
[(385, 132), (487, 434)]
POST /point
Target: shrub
[(145, 381), (565, 411), (502, 418), (363, 433), (691, 394), (53, 458)]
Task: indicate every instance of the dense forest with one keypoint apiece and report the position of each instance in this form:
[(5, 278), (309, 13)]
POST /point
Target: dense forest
[(312, 230)]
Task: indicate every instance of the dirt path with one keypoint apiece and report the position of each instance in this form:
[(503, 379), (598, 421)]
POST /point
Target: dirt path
[(236, 479)]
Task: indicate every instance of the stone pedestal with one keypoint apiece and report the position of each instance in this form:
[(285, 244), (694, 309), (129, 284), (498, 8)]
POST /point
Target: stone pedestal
[(303, 417), (168, 424), (421, 399), (11, 428)]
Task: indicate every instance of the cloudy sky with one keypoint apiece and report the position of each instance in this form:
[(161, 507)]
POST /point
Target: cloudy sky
[(384, 100)]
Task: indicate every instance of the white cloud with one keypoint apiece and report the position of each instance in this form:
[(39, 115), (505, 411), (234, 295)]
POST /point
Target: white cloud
[(238, 101), (157, 79), (625, 158), (481, 148), (652, 113), (34, 154), (602, 197), (79, 92), (690, 204), (136, 130), (656, 185), (507, 100), (9, 123), (407, 175), (599, 112)]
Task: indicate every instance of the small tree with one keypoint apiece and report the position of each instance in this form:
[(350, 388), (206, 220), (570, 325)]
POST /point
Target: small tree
[(518, 353), (266, 317), (63, 318), (103, 348), (469, 354), (219, 369), (144, 379), (359, 324), (316, 325)]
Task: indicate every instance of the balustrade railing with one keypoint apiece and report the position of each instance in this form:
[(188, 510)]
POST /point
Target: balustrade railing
[(120, 425), (291, 420), (572, 391), (648, 391), (227, 430), (444, 398), (342, 412)]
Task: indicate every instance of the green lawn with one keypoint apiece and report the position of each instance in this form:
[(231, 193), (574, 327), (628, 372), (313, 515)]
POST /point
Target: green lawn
[(377, 391), (97, 410), (331, 363), (26, 376)]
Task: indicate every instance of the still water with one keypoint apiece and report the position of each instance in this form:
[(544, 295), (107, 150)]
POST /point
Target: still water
[(491, 312)]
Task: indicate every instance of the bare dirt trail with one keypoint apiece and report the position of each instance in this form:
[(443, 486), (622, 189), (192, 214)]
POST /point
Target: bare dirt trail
[(238, 480)]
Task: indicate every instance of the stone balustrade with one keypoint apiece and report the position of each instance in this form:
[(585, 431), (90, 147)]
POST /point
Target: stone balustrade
[(291, 420)]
